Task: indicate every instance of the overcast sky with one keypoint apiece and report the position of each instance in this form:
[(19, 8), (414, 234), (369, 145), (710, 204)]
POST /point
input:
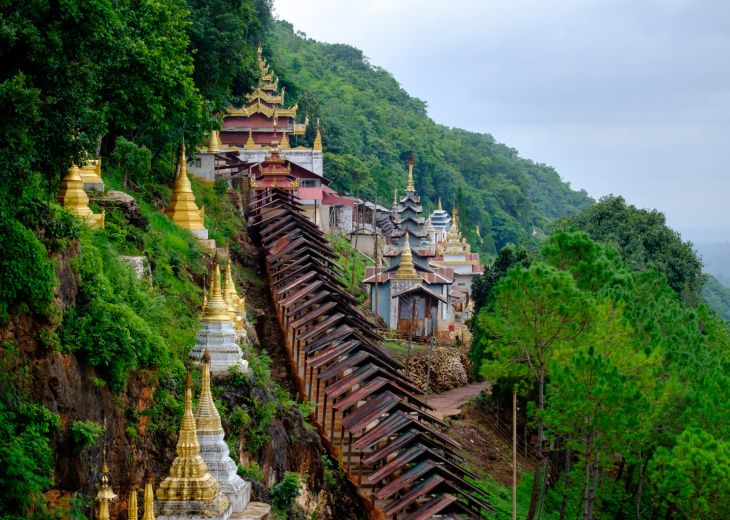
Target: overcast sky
[(624, 97)]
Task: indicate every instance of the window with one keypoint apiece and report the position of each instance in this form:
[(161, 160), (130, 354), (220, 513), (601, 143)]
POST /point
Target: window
[(308, 183), (197, 162)]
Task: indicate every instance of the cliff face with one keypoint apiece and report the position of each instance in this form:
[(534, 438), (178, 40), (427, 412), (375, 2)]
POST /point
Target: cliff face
[(142, 420)]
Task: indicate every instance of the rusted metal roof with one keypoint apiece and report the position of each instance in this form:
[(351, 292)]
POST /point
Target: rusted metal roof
[(311, 316), (385, 402), (395, 423), (406, 439), (321, 327), (425, 487), (315, 299), (433, 507), (405, 479), (294, 298), (299, 281), (377, 384), (332, 353)]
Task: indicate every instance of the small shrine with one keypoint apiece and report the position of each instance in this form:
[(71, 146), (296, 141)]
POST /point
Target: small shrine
[(190, 491), (213, 448), (182, 209), (456, 253), (217, 333), (73, 197)]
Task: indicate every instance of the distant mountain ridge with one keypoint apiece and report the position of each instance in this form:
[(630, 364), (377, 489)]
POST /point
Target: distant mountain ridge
[(367, 121)]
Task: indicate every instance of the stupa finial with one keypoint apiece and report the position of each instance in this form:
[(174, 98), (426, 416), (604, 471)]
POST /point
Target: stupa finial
[(216, 308), (410, 186), (406, 270), (213, 146)]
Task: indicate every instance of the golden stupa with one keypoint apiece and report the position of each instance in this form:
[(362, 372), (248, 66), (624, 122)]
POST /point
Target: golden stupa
[(216, 309), (73, 197), (236, 301), (149, 495), (132, 513), (317, 141), (190, 490), (406, 270), (226, 293), (182, 209), (250, 144), (104, 494), (213, 142), (91, 175)]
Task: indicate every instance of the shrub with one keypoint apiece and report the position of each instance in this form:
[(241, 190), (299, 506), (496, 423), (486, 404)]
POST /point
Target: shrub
[(84, 433), (220, 187), (286, 490), (25, 273), (253, 471)]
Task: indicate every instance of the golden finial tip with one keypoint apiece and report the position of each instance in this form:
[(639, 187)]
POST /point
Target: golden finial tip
[(188, 380)]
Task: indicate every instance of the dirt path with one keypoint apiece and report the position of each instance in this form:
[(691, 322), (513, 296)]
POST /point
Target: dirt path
[(449, 402)]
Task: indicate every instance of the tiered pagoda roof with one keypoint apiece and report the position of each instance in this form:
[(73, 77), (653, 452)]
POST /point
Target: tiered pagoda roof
[(278, 172), (253, 125)]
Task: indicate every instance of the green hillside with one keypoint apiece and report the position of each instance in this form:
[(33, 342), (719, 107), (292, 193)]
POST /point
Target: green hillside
[(367, 120)]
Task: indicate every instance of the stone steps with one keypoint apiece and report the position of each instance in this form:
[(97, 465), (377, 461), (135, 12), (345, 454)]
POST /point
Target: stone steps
[(254, 511)]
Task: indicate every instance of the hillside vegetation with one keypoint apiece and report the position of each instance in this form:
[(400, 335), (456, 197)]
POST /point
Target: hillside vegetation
[(367, 121)]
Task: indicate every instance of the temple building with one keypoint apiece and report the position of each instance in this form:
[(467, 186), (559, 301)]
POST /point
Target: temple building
[(213, 448), (182, 208), (217, 334), (73, 197), (409, 222), (456, 253), (190, 492), (441, 222), (254, 144), (409, 252)]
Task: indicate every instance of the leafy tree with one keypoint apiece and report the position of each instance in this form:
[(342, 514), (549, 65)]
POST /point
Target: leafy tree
[(694, 475), (643, 240), (535, 311)]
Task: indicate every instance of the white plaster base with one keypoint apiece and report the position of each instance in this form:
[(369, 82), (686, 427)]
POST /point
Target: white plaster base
[(200, 233), (216, 455), (220, 339), (188, 510), (94, 186)]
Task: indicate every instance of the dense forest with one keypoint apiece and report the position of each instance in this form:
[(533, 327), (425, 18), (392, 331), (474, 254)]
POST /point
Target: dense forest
[(605, 336), (367, 121)]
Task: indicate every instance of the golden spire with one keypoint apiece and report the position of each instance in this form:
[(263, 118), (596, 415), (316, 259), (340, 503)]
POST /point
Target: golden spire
[(216, 309), (189, 478), (104, 493), (73, 197), (149, 495), (235, 299), (478, 234), (284, 142), (406, 270), (132, 513), (218, 139), (410, 186), (226, 293), (439, 208), (213, 142), (207, 418), (182, 209), (250, 143), (395, 196), (317, 141)]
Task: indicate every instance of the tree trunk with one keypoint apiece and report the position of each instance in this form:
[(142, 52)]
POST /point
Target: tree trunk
[(640, 487), (534, 496), (587, 480), (565, 486), (592, 493), (621, 513), (544, 482)]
